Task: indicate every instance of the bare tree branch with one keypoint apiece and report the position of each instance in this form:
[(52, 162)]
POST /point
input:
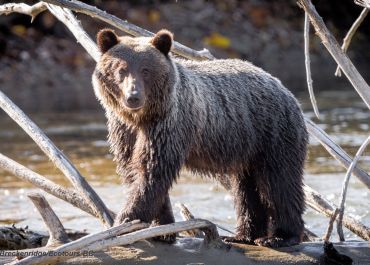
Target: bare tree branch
[(332, 46), (43, 183), (57, 157), (348, 38), (336, 151), (129, 28), (82, 243), (329, 230), (308, 65), (106, 239), (319, 204), (32, 11), (57, 234), (345, 187), (68, 19)]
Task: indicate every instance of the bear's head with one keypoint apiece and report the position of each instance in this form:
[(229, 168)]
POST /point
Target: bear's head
[(134, 77)]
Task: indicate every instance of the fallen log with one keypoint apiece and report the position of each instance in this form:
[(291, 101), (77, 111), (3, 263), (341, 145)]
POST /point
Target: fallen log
[(187, 251)]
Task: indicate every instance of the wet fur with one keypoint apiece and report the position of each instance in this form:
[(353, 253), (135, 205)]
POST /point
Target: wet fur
[(226, 119)]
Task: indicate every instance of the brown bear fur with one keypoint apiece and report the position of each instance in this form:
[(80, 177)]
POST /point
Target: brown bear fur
[(226, 119)]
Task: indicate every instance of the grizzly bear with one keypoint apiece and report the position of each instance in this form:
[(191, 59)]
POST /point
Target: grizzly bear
[(226, 119)]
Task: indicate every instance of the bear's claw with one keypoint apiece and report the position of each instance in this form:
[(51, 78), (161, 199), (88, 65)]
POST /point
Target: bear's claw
[(276, 242), (170, 238), (236, 239)]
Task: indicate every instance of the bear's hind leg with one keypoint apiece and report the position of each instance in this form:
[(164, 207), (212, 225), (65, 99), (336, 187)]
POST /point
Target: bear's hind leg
[(286, 201), (252, 215)]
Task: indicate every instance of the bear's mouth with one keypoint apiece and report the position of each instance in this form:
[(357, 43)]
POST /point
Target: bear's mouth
[(133, 107)]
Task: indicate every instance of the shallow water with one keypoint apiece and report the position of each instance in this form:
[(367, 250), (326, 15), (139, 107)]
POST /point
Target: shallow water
[(82, 136)]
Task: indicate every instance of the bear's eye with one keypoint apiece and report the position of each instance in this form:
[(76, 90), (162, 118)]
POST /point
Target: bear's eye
[(145, 72), (122, 71)]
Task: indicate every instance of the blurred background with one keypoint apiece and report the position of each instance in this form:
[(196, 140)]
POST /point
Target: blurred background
[(47, 74)]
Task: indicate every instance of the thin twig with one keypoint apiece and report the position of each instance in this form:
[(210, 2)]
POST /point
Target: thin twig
[(345, 187), (329, 230), (129, 28), (336, 151), (22, 8), (316, 201), (308, 64), (341, 58), (58, 158), (348, 38), (45, 184), (57, 233), (187, 215)]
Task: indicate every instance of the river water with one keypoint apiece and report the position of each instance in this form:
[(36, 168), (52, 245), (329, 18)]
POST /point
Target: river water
[(82, 137)]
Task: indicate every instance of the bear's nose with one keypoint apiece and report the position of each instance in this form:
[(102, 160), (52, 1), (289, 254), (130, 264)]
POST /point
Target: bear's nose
[(133, 100)]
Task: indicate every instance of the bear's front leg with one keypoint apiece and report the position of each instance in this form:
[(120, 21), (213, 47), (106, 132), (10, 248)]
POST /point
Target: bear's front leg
[(145, 201), (165, 217), (158, 158)]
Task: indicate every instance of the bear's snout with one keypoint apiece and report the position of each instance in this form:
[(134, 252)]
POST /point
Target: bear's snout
[(134, 100)]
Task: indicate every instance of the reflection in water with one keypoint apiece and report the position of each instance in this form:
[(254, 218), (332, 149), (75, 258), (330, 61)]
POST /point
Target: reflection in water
[(81, 136)]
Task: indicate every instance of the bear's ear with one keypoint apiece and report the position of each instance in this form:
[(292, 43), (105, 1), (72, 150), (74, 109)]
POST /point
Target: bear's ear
[(106, 39), (162, 40)]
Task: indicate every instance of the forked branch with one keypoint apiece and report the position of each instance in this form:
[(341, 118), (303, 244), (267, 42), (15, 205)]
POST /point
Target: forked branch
[(129, 28), (58, 158), (334, 49), (348, 38), (345, 187)]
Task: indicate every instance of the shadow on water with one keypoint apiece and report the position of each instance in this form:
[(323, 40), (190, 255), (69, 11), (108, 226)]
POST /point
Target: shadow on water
[(82, 137)]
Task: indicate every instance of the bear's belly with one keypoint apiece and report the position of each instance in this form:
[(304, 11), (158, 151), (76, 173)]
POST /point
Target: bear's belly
[(205, 164)]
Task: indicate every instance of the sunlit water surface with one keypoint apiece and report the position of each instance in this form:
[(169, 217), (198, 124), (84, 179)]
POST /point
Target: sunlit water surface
[(82, 137)]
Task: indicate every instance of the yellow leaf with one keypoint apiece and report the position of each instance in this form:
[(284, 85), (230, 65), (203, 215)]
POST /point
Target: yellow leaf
[(154, 16), (217, 40), (19, 30)]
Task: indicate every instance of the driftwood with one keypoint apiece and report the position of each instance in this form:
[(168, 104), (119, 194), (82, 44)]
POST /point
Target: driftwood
[(186, 216), (32, 11), (321, 205), (58, 158), (336, 151), (57, 233), (129, 28), (69, 20), (111, 238), (348, 38), (141, 253), (308, 65), (329, 230), (345, 187), (45, 184), (334, 49)]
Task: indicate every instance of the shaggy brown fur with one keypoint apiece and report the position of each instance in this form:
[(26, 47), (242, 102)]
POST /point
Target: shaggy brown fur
[(223, 118)]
